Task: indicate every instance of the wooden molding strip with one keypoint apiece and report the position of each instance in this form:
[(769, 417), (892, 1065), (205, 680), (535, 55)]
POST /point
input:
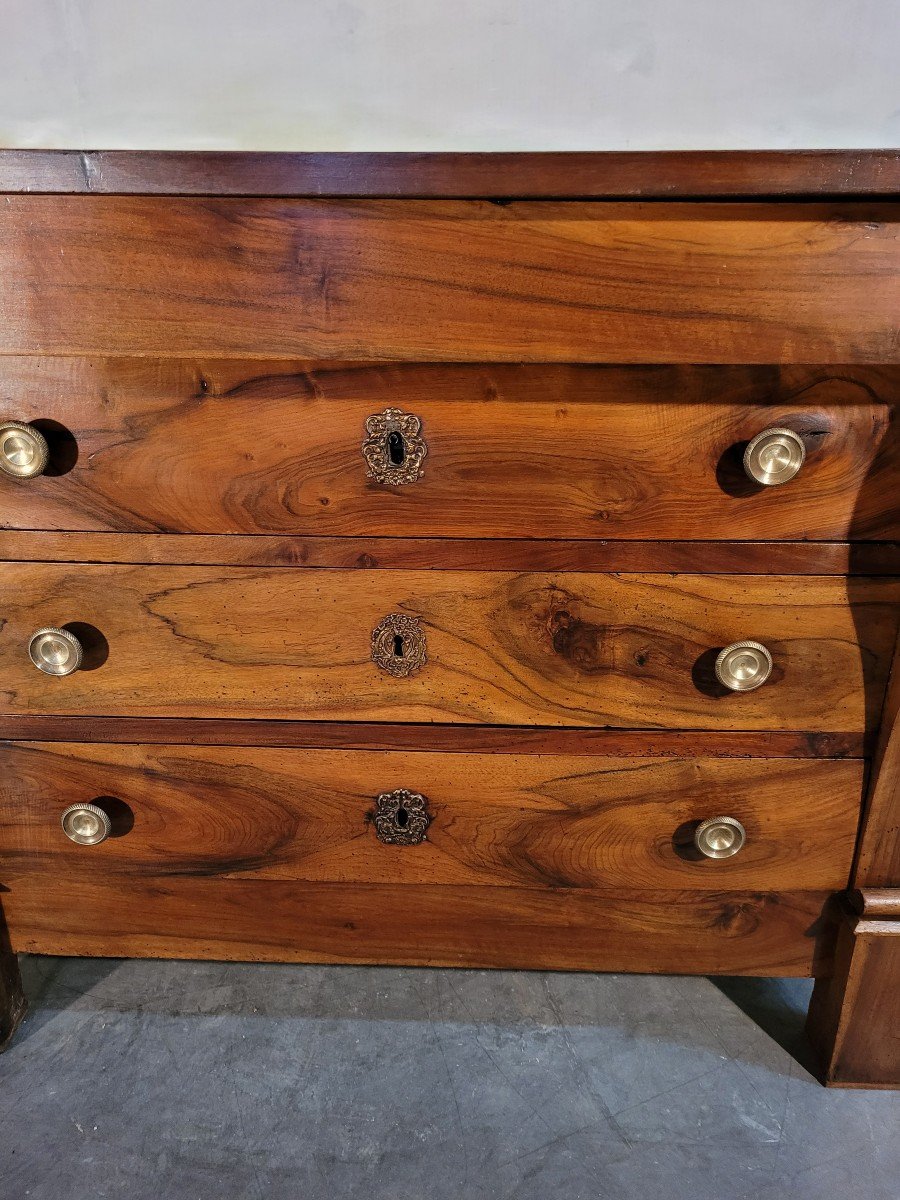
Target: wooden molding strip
[(338, 735), (448, 554), (591, 175), (876, 903)]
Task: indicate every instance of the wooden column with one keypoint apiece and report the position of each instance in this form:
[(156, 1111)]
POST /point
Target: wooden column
[(12, 997), (854, 1016)]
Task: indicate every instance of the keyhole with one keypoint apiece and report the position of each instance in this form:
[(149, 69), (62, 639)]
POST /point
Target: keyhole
[(402, 817), (398, 645), (396, 448)]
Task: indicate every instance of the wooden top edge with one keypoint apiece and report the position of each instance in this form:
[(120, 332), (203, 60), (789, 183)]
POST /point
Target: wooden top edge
[(698, 174)]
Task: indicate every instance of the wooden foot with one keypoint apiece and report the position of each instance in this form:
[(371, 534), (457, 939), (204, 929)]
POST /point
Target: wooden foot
[(854, 1015), (12, 997)]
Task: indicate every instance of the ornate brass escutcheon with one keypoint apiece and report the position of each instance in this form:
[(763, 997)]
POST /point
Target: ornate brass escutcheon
[(401, 818), (398, 645), (393, 448)]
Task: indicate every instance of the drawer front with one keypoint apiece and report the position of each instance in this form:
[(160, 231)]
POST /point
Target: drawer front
[(425, 818), (457, 646), (450, 281), (279, 920), (483, 451)]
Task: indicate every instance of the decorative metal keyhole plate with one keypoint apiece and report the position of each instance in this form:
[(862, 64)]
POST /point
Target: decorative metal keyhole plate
[(393, 449), (401, 818), (398, 645)]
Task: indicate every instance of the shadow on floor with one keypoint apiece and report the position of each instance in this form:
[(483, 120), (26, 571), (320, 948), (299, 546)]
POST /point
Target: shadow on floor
[(776, 1008)]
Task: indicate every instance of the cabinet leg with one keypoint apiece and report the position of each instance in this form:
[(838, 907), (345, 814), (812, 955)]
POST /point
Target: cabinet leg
[(854, 1014), (12, 997)]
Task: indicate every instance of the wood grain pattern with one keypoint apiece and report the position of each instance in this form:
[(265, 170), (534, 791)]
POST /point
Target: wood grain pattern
[(551, 452), (359, 735), (854, 1017), (878, 854), (450, 280), (454, 554), (611, 174), (738, 933), (619, 651), (496, 819)]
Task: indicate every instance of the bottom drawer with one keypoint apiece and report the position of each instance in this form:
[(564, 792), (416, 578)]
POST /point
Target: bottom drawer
[(505, 860)]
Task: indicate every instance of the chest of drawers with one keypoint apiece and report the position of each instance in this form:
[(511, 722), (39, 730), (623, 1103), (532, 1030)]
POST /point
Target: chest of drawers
[(456, 560)]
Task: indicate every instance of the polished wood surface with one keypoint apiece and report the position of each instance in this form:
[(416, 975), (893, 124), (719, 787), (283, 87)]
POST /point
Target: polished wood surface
[(854, 1016), (735, 933), (450, 280), (623, 651), (359, 735), (454, 554), (550, 452), (495, 819), (612, 174)]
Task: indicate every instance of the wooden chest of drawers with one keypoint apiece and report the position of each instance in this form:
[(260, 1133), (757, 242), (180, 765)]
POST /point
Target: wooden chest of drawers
[(395, 575)]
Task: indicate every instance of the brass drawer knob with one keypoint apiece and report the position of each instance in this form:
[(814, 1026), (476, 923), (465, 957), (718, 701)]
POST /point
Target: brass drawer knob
[(774, 456), (743, 666), (719, 837), (86, 824), (55, 651), (394, 448), (401, 818), (23, 450)]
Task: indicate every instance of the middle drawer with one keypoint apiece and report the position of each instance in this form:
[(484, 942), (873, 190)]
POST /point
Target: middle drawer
[(624, 651)]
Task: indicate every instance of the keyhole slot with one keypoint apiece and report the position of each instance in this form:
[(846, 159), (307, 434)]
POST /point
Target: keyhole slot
[(402, 817), (396, 448), (398, 645)]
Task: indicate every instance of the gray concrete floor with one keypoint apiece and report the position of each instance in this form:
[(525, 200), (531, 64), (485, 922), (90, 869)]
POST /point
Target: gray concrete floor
[(177, 1080)]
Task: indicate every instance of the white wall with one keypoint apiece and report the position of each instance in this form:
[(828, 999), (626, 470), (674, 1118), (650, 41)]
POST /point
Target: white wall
[(449, 74)]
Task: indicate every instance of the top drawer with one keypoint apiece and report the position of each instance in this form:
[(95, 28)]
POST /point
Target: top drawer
[(451, 281)]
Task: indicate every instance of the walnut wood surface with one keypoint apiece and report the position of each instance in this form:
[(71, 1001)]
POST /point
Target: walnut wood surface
[(574, 649), (450, 280), (555, 174), (358, 735), (496, 819), (551, 452), (738, 933), (878, 856), (467, 554), (854, 1017)]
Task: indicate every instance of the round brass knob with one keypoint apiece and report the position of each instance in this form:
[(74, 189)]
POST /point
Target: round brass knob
[(86, 824), (774, 456), (55, 651), (743, 666), (23, 450), (719, 837)]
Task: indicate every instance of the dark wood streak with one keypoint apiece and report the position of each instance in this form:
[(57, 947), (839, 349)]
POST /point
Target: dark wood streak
[(602, 175), (338, 735), (454, 554)]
